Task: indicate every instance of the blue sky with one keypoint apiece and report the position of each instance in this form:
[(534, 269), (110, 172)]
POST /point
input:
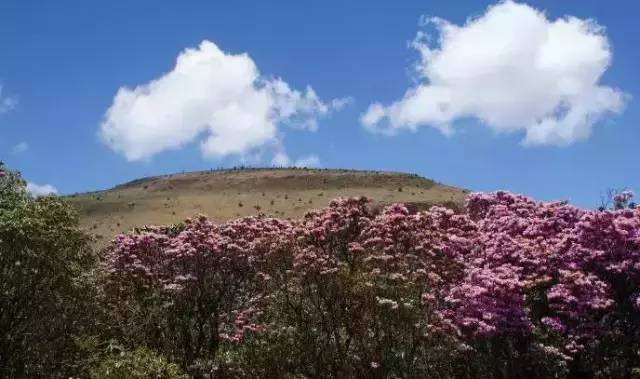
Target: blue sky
[(62, 64)]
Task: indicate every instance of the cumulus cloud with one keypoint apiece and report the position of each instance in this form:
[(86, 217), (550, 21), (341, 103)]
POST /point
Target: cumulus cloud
[(20, 148), (41, 190), (513, 69), (218, 99), (307, 161), (281, 159), (7, 103)]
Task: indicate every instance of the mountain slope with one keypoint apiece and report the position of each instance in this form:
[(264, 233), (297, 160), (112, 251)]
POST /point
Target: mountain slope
[(227, 194)]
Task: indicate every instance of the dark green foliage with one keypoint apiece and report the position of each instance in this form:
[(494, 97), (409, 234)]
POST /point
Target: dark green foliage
[(44, 260)]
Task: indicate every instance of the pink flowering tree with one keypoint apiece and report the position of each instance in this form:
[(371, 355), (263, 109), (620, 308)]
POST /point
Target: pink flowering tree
[(510, 287), (190, 288), (352, 298), (547, 281)]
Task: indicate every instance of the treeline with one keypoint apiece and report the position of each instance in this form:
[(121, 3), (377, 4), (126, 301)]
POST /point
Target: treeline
[(509, 288)]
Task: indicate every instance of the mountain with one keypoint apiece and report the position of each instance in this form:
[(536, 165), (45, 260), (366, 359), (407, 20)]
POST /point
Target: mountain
[(227, 194)]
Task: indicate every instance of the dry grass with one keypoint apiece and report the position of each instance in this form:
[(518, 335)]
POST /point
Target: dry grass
[(228, 194)]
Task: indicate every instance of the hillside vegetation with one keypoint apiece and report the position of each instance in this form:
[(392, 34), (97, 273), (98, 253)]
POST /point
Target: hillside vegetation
[(228, 194)]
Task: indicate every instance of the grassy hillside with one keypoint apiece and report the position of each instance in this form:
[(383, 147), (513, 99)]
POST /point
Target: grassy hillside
[(227, 194)]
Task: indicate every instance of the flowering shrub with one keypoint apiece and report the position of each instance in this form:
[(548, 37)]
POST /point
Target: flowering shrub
[(508, 288), (192, 287)]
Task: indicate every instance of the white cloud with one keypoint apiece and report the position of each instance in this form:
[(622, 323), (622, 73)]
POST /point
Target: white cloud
[(281, 159), (20, 148), (216, 98), (514, 70), (7, 103), (41, 190), (307, 161), (340, 103)]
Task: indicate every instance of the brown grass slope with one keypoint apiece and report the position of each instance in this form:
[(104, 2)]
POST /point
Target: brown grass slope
[(228, 194)]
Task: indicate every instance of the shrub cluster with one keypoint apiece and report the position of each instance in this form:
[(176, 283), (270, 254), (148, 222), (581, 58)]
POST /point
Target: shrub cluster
[(508, 288), (45, 286)]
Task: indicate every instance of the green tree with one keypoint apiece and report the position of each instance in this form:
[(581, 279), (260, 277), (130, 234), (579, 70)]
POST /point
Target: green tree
[(44, 262)]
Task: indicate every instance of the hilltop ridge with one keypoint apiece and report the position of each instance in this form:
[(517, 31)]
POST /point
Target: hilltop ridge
[(231, 193)]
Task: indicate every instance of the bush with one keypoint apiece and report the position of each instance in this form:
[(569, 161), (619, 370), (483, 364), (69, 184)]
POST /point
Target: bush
[(187, 291), (349, 306), (44, 261), (141, 363)]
